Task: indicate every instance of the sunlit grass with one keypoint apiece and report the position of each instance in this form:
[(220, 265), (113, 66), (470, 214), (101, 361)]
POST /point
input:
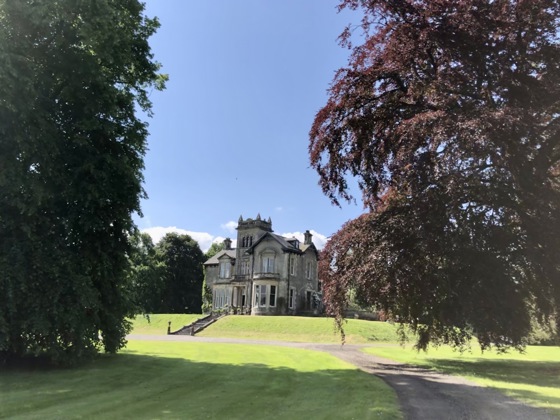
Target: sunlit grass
[(300, 329), (533, 377), (178, 380), (157, 323)]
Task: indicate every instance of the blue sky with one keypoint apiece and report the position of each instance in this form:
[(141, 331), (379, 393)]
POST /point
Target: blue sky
[(229, 135)]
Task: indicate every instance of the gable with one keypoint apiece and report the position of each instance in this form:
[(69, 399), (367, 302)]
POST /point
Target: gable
[(215, 260)]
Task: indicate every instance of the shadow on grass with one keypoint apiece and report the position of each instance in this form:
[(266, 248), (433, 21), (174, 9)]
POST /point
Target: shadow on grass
[(515, 372), (141, 386)]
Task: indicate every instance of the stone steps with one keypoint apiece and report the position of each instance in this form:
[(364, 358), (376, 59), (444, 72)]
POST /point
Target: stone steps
[(197, 325)]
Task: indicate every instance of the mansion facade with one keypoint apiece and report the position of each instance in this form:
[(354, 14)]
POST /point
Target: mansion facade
[(267, 274)]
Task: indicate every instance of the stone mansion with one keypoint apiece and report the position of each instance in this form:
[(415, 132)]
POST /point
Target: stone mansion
[(266, 274)]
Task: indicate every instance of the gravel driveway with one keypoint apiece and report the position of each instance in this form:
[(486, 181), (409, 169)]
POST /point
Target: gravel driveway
[(422, 394)]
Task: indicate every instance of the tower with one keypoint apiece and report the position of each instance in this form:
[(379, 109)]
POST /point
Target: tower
[(250, 230)]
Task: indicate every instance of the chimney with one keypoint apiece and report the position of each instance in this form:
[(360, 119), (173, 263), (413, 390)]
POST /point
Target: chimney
[(227, 244), (308, 237)]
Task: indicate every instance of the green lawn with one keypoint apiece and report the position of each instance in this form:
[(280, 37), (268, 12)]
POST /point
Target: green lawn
[(300, 329), (171, 380), (157, 323), (533, 377)]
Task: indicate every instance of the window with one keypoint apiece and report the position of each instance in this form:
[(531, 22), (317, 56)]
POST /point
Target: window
[(265, 295), (225, 269), (272, 297), (245, 267), (260, 295), (262, 301), (268, 264), (221, 298), (291, 298), (292, 265), (308, 270), (246, 241)]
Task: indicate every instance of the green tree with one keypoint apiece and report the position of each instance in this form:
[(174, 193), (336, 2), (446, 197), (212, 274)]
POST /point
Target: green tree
[(447, 115), (214, 249), (182, 274), (71, 155), (146, 274), (206, 290)]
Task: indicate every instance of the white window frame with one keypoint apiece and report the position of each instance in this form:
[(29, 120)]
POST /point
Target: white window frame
[(261, 295), (264, 296), (268, 262), (292, 265), (245, 267), (272, 303), (291, 298), (225, 269)]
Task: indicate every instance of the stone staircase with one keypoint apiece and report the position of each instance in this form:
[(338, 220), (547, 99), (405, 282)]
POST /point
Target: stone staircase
[(197, 325)]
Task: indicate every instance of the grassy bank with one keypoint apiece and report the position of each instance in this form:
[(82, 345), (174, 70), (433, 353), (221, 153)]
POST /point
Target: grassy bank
[(300, 329), (533, 377), (157, 323), (199, 380)]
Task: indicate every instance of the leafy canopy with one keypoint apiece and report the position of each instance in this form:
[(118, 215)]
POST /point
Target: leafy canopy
[(167, 277), (448, 117), (183, 275), (71, 157)]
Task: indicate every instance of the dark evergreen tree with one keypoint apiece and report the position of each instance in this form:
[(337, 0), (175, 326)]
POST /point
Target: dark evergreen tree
[(71, 156), (448, 116), (146, 274), (206, 290), (183, 275)]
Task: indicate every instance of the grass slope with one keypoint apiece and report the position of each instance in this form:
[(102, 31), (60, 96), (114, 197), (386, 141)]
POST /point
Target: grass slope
[(533, 377), (300, 329), (157, 323), (175, 380)]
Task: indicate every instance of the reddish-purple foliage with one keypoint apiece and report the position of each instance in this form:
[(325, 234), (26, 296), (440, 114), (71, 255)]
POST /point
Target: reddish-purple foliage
[(448, 116)]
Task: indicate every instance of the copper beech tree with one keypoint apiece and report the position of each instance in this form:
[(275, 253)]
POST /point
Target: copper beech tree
[(448, 116)]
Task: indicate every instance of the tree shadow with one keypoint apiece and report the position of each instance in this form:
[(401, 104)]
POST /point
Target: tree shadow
[(512, 375), (536, 373), (142, 386)]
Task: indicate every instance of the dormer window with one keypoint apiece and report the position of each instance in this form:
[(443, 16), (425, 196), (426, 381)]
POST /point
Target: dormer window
[(294, 243)]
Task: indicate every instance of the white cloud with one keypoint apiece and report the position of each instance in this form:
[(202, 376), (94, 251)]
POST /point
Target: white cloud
[(229, 226), (204, 239), (318, 239)]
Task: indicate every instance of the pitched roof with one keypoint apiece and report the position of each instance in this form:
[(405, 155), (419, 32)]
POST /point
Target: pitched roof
[(215, 260), (286, 246), (305, 247)]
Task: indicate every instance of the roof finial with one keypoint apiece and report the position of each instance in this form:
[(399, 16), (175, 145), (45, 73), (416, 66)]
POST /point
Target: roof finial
[(240, 218), (258, 216)]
